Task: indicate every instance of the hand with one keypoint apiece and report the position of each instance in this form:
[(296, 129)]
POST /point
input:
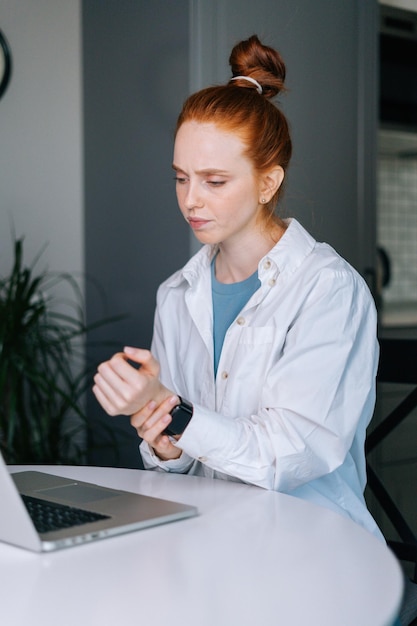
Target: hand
[(151, 421), (121, 389)]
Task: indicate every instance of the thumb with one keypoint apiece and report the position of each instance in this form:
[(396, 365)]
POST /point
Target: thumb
[(141, 356)]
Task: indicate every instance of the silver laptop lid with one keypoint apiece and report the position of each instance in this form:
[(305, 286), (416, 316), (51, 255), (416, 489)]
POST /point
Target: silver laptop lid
[(123, 511)]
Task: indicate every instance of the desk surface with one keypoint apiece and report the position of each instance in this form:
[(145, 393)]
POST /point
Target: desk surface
[(251, 557)]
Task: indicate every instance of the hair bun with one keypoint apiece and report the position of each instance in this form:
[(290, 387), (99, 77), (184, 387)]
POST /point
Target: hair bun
[(251, 59)]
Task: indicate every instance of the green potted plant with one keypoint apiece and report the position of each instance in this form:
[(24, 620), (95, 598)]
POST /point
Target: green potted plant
[(43, 376)]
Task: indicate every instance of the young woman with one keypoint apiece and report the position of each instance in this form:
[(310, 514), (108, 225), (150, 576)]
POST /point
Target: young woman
[(263, 361)]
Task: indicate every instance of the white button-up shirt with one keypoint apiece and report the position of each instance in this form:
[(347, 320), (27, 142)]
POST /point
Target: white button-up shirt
[(295, 388)]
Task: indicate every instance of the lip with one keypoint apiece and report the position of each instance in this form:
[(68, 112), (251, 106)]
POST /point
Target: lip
[(197, 223)]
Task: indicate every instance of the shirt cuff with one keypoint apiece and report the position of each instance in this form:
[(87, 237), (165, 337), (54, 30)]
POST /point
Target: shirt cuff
[(200, 440)]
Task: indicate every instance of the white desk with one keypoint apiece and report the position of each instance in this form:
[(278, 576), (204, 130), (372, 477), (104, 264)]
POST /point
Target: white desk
[(252, 558)]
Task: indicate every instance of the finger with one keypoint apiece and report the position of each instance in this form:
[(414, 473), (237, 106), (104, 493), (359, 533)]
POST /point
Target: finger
[(117, 370), (148, 419), (124, 398), (138, 418), (113, 388), (123, 385), (144, 357), (152, 432), (165, 449), (104, 401), (153, 428)]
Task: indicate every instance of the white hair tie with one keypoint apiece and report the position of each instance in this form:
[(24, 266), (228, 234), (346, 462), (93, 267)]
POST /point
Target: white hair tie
[(251, 80)]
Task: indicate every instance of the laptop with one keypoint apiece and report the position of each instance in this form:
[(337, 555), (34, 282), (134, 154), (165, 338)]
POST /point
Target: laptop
[(43, 512)]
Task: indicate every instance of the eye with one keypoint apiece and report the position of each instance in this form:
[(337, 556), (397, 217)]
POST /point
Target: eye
[(216, 183), (181, 180)]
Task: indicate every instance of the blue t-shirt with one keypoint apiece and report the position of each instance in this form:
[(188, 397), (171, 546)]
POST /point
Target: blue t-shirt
[(228, 301)]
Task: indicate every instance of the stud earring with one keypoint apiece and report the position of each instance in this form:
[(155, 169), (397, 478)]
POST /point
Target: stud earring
[(263, 200)]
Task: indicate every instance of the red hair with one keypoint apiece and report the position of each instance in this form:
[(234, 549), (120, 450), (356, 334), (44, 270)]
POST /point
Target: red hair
[(239, 108)]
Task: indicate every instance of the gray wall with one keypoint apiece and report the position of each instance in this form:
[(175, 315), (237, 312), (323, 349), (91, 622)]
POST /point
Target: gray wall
[(135, 76), (41, 135), (135, 60), (330, 49)]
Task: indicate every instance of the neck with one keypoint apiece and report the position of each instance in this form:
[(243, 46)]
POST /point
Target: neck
[(237, 260)]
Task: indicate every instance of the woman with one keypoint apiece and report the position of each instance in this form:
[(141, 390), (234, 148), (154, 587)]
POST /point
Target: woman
[(263, 361)]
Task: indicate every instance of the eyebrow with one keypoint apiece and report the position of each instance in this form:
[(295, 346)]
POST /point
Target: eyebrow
[(206, 172)]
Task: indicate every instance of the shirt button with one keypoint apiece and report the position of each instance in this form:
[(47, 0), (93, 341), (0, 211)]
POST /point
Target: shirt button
[(225, 375), (267, 264), (202, 459), (241, 321), (271, 282)]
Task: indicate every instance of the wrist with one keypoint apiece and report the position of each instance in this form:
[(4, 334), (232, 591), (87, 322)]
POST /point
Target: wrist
[(162, 394), (168, 456)]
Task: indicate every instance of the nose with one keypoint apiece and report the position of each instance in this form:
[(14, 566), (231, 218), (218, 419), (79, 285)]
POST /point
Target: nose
[(192, 198)]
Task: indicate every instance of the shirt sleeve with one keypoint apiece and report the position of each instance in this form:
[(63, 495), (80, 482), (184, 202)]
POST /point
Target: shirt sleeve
[(318, 395), (150, 460)]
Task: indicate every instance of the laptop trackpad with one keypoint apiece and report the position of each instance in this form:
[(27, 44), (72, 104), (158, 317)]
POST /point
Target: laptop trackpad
[(78, 494)]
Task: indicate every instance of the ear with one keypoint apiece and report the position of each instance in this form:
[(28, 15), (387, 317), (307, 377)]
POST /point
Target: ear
[(271, 181)]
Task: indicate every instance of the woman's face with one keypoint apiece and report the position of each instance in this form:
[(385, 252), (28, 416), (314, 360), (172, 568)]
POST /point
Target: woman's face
[(218, 191)]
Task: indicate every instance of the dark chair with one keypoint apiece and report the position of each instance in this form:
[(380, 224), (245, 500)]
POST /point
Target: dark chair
[(398, 364)]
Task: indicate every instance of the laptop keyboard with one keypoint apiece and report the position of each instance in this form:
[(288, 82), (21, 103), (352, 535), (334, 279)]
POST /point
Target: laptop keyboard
[(48, 516)]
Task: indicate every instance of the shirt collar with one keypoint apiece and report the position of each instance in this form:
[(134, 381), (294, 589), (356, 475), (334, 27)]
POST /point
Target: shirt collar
[(290, 251), (286, 256), (193, 268)]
